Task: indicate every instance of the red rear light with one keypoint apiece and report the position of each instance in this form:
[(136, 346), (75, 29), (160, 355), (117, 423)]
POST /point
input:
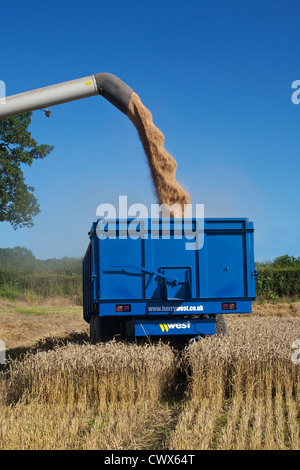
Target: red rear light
[(224, 306), (123, 308)]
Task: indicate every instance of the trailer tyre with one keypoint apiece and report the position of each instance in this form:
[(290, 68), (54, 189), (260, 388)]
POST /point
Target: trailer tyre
[(103, 328), (221, 325), (95, 329)]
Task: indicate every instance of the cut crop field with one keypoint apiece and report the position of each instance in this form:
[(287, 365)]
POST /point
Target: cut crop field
[(58, 391)]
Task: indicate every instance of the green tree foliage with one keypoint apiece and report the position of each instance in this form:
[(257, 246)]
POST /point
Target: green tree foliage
[(22, 259), (286, 261), (23, 275), (18, 205), (18, 258), (279, 278)]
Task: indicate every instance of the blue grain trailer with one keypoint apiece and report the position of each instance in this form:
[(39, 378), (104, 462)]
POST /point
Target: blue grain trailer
[(154, 281)]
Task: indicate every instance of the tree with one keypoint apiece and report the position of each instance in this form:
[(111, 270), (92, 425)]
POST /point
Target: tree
[(18, 205), (17, 258), (286, 261)]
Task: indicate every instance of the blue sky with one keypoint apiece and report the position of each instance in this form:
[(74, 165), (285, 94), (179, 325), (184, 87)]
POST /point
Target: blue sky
[(216, 76)]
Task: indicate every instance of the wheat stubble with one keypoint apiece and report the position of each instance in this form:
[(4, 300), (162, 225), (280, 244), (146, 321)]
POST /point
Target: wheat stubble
[(162, 164)]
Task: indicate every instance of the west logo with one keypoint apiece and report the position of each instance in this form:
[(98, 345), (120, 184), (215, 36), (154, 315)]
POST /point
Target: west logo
[(165, 327)]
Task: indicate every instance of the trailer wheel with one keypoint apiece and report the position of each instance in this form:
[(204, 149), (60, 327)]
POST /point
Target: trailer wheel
[(95, 329), (221, 325), (103, 328)]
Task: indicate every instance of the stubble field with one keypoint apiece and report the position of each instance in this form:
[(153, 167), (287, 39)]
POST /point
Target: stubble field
[(228, 392)]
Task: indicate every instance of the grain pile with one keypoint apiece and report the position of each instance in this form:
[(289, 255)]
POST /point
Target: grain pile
[(162, 164)]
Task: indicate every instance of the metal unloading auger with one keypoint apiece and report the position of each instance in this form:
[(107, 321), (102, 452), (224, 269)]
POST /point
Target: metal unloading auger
[(105, 84), (162, 164)]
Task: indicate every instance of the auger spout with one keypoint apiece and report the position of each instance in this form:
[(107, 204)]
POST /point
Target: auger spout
[(105, 84)]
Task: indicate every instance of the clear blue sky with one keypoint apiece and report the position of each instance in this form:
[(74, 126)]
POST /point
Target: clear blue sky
[(217, 78)]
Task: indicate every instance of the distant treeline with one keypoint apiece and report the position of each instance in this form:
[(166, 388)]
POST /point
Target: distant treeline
[(279, 278), (22, 259), (22, 276)]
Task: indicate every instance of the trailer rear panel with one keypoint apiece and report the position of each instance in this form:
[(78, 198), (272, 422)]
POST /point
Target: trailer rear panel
[(159, 273)]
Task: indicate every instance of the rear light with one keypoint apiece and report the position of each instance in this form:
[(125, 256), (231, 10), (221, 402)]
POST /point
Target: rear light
[(123, 308), (230, 306)]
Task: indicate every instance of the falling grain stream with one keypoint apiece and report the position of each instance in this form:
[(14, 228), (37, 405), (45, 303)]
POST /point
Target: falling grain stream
[(162, 164)]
